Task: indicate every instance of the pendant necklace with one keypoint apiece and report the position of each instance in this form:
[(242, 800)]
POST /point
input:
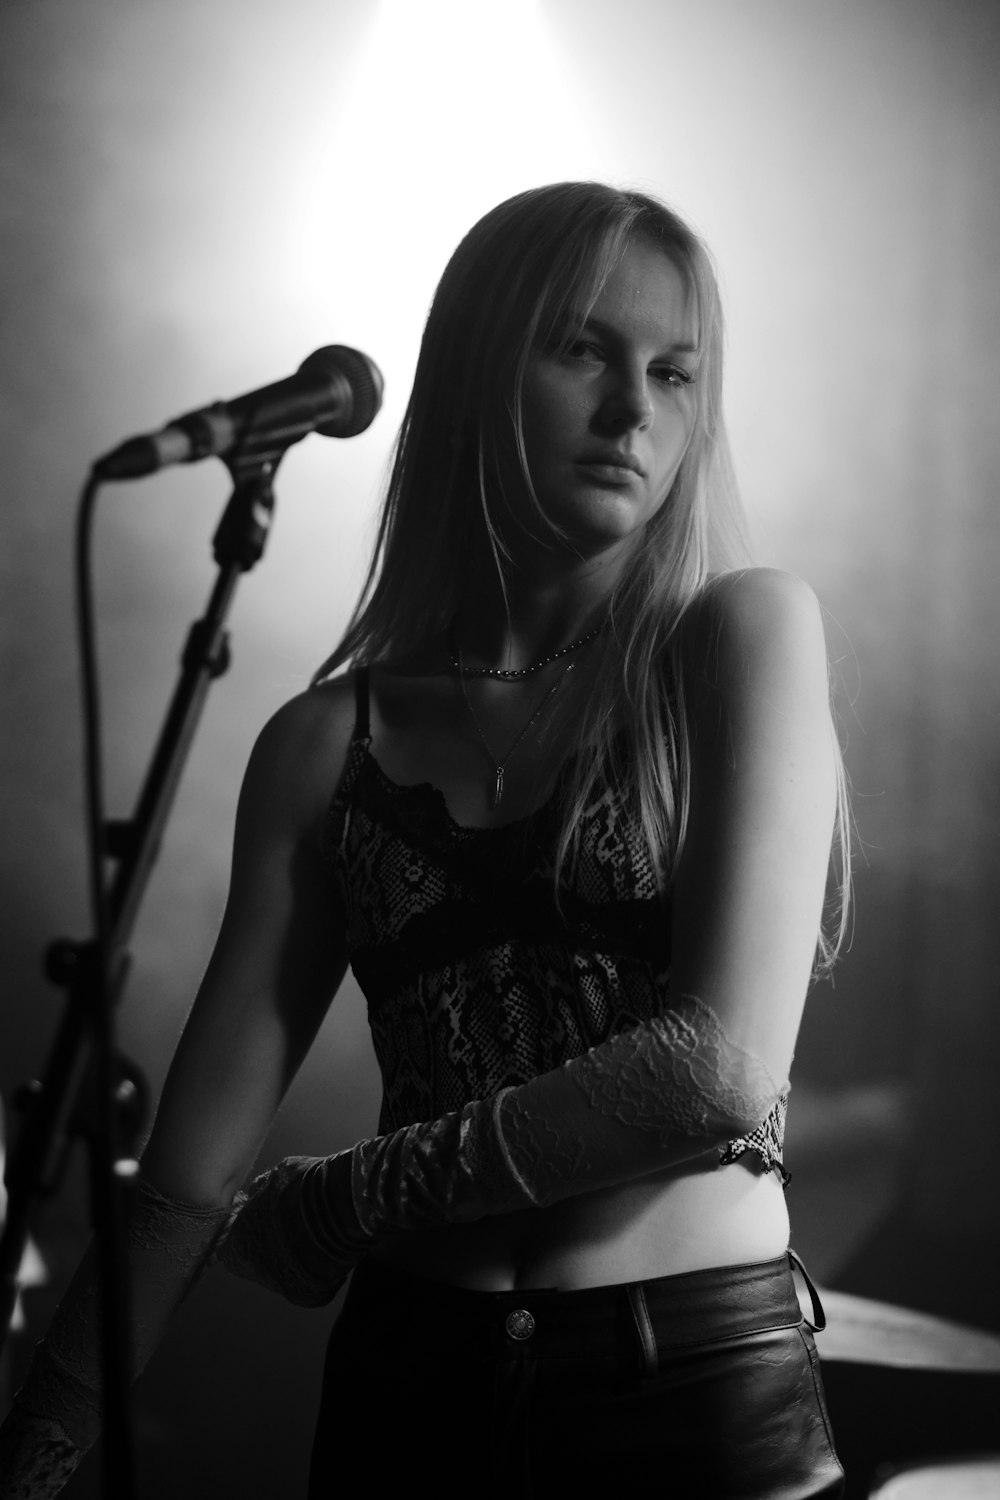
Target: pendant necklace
[(501, 765)]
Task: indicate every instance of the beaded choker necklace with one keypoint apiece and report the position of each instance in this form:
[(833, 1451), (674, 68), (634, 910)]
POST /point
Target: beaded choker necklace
[(517, 674)]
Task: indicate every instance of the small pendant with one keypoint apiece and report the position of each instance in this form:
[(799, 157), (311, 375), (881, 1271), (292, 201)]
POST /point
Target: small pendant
[(498, 788)]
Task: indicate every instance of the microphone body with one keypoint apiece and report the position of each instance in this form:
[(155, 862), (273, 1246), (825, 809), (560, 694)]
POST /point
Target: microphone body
[(337, 391)]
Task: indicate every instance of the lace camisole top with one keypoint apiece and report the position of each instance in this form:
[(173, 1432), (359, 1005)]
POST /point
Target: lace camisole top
[(474, 977)]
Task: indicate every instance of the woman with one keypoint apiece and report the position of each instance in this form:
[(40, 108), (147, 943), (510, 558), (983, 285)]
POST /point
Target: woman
[(585, 787)]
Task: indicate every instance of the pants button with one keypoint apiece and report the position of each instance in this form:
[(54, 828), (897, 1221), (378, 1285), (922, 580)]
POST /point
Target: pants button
[(520, 1324)]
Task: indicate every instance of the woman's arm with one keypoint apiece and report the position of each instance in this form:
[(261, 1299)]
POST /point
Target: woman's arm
[(748, 897), (747, 902), (277, 962)]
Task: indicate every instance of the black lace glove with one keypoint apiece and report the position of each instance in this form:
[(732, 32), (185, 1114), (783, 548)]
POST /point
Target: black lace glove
[(56, 1415)]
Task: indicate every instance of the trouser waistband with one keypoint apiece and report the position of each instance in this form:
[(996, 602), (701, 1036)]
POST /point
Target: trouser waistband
[(667, 1313)]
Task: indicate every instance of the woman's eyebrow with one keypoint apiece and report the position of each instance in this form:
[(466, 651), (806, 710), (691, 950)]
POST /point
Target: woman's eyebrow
[(669, 346)]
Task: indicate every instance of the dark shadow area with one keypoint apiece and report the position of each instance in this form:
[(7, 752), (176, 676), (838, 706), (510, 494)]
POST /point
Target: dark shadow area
[(951, 1277), (886, 1418)]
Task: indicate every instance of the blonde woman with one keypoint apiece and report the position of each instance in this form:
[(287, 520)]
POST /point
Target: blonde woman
[(564, 798)]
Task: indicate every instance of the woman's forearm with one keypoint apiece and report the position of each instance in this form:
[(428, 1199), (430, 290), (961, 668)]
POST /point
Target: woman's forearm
[(56, 1415), (644, 1100)]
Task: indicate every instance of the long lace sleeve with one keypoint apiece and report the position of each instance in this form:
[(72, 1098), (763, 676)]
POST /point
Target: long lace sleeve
[(646, 1099), (662, 1093), (56, 1415)]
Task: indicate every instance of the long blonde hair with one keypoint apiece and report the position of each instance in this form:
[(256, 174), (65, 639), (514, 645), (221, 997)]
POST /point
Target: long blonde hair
[(518, 280)]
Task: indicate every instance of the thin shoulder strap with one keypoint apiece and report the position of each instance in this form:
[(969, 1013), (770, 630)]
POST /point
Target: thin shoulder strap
[(338, 812), (362, 729)]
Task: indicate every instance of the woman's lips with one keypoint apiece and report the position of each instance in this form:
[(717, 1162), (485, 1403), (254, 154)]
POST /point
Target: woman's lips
[(610, 470)]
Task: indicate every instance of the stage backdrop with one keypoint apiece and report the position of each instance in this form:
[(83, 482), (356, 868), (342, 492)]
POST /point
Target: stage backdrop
[(197, 194)]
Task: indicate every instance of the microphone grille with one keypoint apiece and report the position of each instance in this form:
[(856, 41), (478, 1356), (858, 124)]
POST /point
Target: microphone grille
[(364, 382)]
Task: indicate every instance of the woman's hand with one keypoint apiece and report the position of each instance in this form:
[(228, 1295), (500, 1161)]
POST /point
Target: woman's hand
[(277, 963), (646, 1099), (295, 1231)]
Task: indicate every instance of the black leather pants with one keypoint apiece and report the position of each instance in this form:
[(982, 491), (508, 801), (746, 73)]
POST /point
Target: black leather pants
[(703, 1386)]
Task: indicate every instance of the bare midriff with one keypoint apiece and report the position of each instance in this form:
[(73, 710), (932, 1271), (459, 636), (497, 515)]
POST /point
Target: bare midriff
[(662, 1225)]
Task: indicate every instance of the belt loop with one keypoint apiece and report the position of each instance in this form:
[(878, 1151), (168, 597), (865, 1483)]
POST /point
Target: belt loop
[(649, 1358), (817, 1307)]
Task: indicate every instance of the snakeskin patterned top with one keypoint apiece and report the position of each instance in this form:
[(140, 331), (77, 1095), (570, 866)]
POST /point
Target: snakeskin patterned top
[(474, 979)]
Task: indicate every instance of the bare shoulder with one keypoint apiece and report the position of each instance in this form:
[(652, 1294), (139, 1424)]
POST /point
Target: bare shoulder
[(756, 602), (757, 625), (299, 755)]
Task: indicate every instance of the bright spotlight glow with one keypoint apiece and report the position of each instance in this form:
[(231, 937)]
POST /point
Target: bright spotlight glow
[(453, 105), (469, 87)]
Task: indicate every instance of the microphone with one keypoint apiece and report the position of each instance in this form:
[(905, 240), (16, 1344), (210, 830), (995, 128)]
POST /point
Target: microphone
[(337, 391)]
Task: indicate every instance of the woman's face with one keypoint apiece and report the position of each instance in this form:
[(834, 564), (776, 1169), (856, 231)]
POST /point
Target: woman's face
[(607, 421)]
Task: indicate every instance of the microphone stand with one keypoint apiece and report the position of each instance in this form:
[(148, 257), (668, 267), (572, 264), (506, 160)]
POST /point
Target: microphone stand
[(89, 1090)]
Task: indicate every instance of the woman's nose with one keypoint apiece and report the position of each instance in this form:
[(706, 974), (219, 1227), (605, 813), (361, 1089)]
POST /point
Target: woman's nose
[(627, 402)]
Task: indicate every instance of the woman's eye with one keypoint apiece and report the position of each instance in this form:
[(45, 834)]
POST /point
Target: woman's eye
[(672, 375), (581, 350)]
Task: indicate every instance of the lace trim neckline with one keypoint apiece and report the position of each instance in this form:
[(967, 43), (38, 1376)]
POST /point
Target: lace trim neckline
[(429, 796)]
